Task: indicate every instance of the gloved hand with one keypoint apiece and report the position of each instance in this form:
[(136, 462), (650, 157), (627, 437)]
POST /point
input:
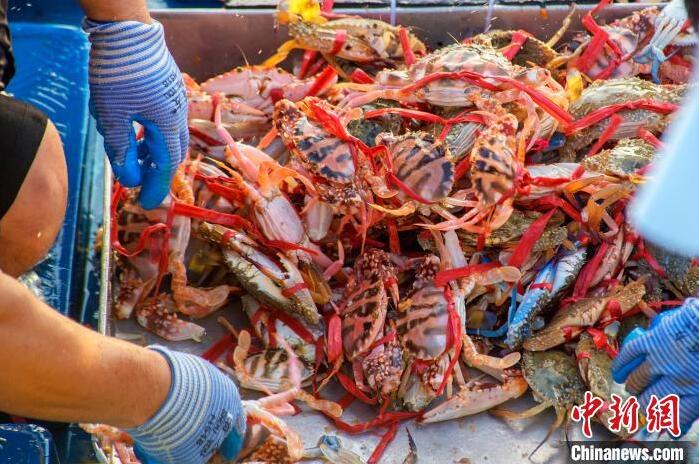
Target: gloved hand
[(668, 25), (664, 359), (202, 414), (134, 78)]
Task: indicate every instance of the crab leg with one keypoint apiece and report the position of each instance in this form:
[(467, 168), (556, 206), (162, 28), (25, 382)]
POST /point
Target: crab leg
[(469, 401), (281, 54), (473, 358), (531, 412), (565, 24), (256, 411)]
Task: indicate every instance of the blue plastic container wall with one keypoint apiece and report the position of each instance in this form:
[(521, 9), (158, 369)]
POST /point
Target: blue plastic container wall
[(68, 12), (51, 62), (51, 53), (26, 444)]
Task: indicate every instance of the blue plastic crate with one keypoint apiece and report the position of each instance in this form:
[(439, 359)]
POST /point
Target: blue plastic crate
[(67, 11), (26, 444), (51, 62)]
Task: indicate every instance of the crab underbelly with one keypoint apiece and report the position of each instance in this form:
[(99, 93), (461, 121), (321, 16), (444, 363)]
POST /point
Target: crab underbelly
[(447, 93), (423, 327), (280, 221), (363, 320)]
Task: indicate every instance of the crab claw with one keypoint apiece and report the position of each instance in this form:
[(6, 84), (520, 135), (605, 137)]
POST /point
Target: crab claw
[(475, 399)]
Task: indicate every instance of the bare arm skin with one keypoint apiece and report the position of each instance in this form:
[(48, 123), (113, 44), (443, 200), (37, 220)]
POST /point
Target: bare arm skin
[(55, 369), (52, 368), (116, 10)]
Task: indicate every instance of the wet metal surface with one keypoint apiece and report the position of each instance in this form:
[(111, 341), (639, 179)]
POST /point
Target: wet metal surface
[(208, 42)]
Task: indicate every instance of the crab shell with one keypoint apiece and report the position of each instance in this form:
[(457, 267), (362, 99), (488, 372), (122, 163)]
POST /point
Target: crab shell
[(493, 159), (244, 259), (607, 92), (595, 367), (423, 316), (627, 157), (553, 377), (421, 162), (270, 368), (509, 233), (680, 269), (367, 130), (450, 92), (604, 93), (533, 51), (324, 155), (366, 302), (367, 40), (478, 398), (583, 313), (422, 328)]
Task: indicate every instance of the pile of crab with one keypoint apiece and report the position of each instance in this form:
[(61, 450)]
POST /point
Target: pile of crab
[(392, 219)]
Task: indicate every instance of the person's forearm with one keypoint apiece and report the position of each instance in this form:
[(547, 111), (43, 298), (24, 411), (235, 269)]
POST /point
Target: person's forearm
[(52, 368), (116, 10)]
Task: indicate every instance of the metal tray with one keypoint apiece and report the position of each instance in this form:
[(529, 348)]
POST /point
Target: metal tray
[(208, 42)]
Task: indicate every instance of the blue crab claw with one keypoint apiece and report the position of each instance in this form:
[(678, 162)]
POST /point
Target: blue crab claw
[(533, 303), (502, 330)]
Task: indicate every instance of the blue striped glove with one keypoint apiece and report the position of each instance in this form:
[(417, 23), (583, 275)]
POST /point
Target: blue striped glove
[(134, 78), (201, 414), (663, 360)]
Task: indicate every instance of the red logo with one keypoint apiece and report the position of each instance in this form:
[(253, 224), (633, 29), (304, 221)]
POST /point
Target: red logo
[(624, 414), (664, 414), (585, 411)]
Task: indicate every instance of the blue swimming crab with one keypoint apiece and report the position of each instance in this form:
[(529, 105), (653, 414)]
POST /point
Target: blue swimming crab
[(602, 94), (271, 278), (623, 160), (353, 39), (365, 301), (570, 321), (549, 284), (554, 380), (424, 324), (636, 45), (595, 366)]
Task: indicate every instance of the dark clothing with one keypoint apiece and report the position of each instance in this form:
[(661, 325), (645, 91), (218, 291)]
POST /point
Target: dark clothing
[(693, 11), (7, 63), (22, 126)]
